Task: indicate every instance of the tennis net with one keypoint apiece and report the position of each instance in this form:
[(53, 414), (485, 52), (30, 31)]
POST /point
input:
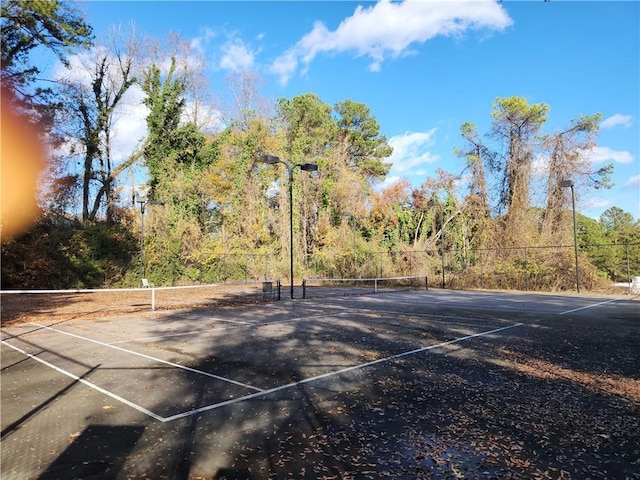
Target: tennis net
[(31, 305), (326, 287)]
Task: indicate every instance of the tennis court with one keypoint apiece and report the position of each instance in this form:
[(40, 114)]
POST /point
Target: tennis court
[(411, 384)]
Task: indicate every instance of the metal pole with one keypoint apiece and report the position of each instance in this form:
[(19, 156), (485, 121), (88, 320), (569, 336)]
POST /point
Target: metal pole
[(142, 266), (442, 243), (308, 167), (290, 170), (143, 204), (575, 239)]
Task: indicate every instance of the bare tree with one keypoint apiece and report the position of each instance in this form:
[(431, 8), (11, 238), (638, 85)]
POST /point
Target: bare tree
[(248, 103), (93, 94), (516, 124), (477, 155), (567, 153)]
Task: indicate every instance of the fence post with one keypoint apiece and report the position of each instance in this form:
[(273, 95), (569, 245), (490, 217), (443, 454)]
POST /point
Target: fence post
[(304, 288)]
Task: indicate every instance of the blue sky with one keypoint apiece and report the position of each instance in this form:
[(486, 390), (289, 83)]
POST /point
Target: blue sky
[(424, 68)]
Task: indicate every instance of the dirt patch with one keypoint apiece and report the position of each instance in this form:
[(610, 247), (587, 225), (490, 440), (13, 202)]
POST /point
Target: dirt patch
[(31, 307)]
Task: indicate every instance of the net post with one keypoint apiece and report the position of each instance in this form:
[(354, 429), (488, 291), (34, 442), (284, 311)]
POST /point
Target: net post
[(304, 288), (426, 282), (375, 285), (279, 288)]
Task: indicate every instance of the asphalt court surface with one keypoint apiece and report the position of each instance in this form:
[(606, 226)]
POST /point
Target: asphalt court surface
[(172, 365)]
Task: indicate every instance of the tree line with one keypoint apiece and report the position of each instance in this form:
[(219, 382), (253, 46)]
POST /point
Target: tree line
[(208, 197)]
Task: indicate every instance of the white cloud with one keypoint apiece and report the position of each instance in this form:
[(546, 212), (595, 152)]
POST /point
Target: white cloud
[(200, 43), (389, 29), (615, 120), (633, 182), (236, 56), (78, 73), (388, 182), (130, 125), (606, 154), (598, 203), (410, 151), (540, 165), (284, 67)]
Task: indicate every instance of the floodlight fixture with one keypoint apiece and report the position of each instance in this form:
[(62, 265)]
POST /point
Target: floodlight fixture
[(569, 184), (307, 167), (270, 159)]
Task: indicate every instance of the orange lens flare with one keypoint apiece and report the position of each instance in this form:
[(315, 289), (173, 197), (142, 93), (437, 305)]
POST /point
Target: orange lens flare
[(21, 162)]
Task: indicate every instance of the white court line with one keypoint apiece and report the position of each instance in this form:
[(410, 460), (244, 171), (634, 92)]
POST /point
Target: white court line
[(331, 374), (589, 306), (259, 393), (87, 383), (148, 357)]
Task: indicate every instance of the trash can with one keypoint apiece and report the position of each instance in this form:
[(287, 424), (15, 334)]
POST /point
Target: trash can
[(267, 290)]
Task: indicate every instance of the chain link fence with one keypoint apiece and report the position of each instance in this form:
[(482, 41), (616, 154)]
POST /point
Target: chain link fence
[(223, 268), (547, 268)]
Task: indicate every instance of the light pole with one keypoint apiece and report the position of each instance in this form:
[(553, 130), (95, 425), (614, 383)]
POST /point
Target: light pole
[(143, 206), (433, 203), (564, 184), (307, 167)]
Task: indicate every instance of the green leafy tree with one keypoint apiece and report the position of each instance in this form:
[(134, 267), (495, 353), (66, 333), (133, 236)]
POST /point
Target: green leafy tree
[(178, 157), (240, 185), (307, 126), (69, 254), (359, 142), (593, 243), (307, 130), (620, 237), (29, 25), (165, 102), (617, 224)]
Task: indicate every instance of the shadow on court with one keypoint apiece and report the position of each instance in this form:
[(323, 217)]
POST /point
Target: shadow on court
[(556, 396), (99, 452)]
